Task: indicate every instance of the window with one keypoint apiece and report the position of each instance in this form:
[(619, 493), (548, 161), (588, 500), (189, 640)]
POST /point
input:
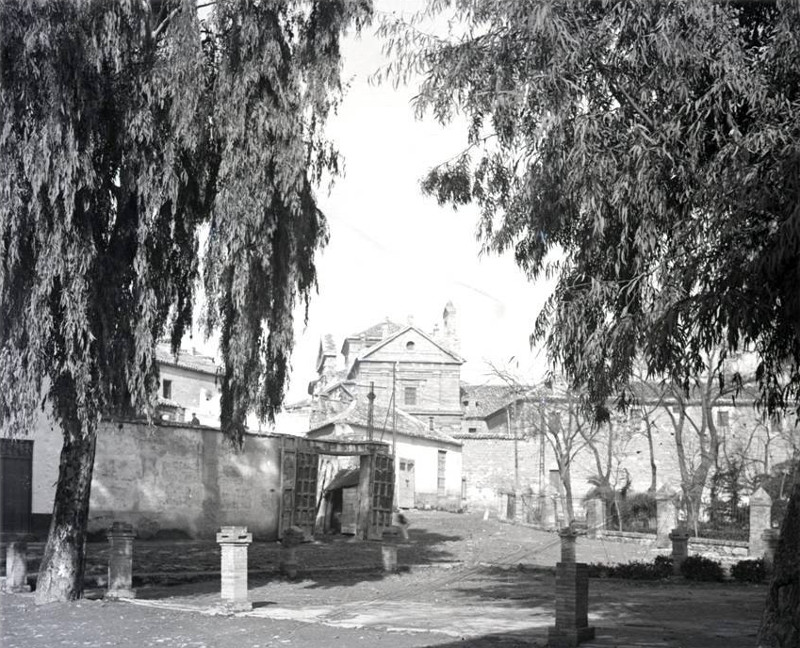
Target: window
[(166, 389), (410, 396), (472, 430), (410, 345)]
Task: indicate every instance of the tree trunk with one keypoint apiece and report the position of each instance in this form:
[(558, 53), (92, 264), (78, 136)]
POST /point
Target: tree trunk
[(653, 469), (61, 570), (780, 624)]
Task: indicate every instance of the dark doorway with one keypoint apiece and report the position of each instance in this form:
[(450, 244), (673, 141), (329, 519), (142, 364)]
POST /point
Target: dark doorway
[(16, 471)]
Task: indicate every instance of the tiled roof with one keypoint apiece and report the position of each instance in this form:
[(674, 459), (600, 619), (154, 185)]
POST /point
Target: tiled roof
[(357, 413), (484, 399), (186, 360), (377, 331)]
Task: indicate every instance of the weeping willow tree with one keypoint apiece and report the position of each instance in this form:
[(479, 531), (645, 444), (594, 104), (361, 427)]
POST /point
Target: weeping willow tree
[(126, 129), (656, 146)]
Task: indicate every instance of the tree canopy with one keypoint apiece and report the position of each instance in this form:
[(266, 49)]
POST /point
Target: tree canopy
[(656, 146), (126, 128)]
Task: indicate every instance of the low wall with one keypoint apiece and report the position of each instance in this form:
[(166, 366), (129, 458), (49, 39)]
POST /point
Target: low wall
[(189, 479)]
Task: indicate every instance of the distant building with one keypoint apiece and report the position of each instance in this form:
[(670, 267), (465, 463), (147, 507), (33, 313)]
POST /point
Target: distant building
[(189, 387)]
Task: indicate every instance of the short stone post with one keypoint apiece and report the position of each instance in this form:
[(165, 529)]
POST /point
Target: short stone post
[(17, 566), (595, 517), (769, 538), (234, 541), (666, 515), (572, 597), (292, 538), (389, 549), (680, 548), (760, 520), (120, 562)]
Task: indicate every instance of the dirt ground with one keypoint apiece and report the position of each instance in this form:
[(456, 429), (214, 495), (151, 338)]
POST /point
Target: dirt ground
[(467, 582)]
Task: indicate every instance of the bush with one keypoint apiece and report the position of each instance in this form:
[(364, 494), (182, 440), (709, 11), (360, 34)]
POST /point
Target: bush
[(659, 569), (749, 571), (700, 568)]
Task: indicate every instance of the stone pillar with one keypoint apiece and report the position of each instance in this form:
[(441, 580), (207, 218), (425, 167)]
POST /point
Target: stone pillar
[(389, 549), (572, 598), (769, 538), (595, 517), (292, 538), (234, 541), (680, 548), (120, 562), (760, 520), (666, 515), (17, 566), (568, 537)]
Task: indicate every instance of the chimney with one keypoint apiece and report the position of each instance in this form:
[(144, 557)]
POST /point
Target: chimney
[(449, 321)]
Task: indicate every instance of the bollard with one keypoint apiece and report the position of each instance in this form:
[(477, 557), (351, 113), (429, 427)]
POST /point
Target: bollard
[(389, 549), (760, 519), (568, 536), (680, 548), (595, 517), (292, 537), (17, 566), (234, 541), (572, 597), (666, 515), (120, 562), (770, 541)]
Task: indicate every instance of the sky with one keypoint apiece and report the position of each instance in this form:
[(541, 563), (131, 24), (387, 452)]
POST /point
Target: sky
[(394, 252)]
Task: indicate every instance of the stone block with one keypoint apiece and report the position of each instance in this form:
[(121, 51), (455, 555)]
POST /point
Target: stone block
[(572, 606), (666, 515), (234, 542), (120, 562), (760, 520), (17, 567)]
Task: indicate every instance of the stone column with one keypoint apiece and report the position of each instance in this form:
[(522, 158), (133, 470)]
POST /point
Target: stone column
[(389, 549), (769, 538), (572, 598), (234, 541), (595, 517), (17, 566), (666, 515), (120, 562), (760, 520), (292, 538), (680, 548)]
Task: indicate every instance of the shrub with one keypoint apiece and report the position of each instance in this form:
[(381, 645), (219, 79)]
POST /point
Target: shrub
[(700, 568), (749, 571), (660, 568)]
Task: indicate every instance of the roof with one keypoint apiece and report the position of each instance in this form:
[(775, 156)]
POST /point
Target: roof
[(186, 360), (378, 331), (357, 413), (328, 345), (486, 399), (344, 479), (375, 347)]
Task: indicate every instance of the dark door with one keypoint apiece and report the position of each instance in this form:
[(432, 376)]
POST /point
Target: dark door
[(16, 464), (299, 489)]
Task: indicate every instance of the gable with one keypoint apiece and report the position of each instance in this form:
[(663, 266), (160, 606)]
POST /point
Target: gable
[(410, 345)]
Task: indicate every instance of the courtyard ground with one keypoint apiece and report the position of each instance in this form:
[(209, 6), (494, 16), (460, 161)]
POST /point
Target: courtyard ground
[(468, 582)]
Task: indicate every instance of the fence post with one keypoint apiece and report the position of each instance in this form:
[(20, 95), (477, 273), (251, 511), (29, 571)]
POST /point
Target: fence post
[(666, 515), (760, 520), (595, 517), (389, 549), (234, 541), (770, 540), (292, 538), (572, 597), (120, 562), (17, 566), (680, 548)]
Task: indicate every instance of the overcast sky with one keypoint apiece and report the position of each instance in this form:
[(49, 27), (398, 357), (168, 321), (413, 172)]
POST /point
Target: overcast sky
[(396, 253)]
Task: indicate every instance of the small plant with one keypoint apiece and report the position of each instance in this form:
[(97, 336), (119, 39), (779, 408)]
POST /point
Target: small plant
[(749, 571), (700, 568), (659, 569)]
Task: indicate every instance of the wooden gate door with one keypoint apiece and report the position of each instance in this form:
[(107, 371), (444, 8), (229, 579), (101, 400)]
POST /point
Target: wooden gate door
[(16, 470), (382, 495), (299, 489), (407, 487)]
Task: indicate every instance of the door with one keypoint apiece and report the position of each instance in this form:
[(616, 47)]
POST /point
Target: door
[(349, 516), (16, 470), (382, 495), (299, 489), (405, 495)]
